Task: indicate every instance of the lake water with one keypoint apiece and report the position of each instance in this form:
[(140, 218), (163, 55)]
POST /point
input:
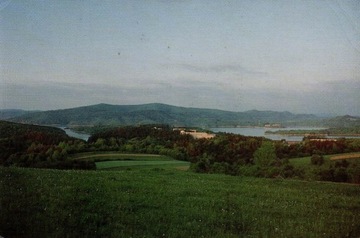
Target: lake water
[(72, 133), (246, 131), (260, 131)]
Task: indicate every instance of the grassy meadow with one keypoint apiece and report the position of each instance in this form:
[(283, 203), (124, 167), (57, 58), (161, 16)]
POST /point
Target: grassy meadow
[(163, 201), (118, 161)]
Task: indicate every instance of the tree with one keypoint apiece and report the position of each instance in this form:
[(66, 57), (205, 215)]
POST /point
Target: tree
[(100, 143), (265, 155), (317, 159)]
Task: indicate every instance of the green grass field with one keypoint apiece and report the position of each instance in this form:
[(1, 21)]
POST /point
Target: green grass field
[(115, 165), (119, 161), (165, 202), (107, 156)]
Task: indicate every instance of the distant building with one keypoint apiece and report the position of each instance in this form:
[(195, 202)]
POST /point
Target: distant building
[(274, 125), (195, 134)]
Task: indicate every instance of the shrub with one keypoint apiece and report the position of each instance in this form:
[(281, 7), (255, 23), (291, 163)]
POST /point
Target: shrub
[(326, 174), (342, 164), (340, 175), (317, 159)]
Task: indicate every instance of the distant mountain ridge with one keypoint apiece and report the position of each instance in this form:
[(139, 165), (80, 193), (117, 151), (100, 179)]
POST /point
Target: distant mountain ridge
[(10, 113), (342, 121), (157, 113)]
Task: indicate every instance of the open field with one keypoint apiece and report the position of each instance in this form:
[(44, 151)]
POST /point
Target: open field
[(171, 203), (147, 164), (107, 156), (119, 161)]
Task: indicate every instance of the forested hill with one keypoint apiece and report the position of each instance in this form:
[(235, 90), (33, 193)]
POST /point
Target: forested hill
[(10, 113), (342, 121), (105, 114), (43, 134)]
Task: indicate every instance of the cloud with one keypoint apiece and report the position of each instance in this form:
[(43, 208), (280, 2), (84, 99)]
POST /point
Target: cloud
[(337, 97), (219, 68)]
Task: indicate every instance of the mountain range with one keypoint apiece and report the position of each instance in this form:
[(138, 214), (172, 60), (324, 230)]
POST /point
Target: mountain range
[(156, 113)]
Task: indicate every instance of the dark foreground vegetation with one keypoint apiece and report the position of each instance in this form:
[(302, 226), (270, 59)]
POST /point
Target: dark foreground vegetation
[(35, 146), (169, 203)]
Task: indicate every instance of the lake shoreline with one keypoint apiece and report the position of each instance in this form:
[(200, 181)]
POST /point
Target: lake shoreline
[(277, 134)]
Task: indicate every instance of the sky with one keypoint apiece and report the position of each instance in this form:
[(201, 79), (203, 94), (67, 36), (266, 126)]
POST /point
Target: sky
[(301, 56)]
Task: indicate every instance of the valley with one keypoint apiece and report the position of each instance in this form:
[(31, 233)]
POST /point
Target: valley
[(159, 180)]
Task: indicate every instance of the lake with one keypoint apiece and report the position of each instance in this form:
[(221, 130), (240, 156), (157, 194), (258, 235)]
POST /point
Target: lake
[(260, 131), (72, 133), (246, 131)]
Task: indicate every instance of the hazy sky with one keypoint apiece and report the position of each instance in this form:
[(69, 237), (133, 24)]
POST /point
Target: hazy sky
[(300, 56)]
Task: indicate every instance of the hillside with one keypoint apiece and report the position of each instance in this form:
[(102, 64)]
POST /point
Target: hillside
[(23, 145), (10, 129), (105, 114), (343, 121), (10, 113)]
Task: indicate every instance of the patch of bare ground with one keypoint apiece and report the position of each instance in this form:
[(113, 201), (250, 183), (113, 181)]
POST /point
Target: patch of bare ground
[(107, 155), (346, 156), (182, 168)]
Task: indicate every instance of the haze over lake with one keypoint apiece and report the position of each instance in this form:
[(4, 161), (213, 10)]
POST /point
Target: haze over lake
[(260, 131), (246, 131), (72, 133)]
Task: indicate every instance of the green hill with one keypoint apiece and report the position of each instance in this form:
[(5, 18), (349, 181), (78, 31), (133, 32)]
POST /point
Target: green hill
[(155, 113)]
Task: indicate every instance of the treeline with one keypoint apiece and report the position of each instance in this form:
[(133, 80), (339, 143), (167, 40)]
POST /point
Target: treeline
[(228, 153), (39, 147), (256, 156), (339, 131), (44, 147), (151, 139), (336, 171), (309, 147)]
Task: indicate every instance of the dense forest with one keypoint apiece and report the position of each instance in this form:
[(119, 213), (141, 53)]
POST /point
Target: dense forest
[(39, 146), (46, 147)]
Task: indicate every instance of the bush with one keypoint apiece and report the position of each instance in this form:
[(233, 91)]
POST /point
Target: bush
[(354, 174), (340, 175), (326, 174), (317, 159), (342, 164), (202, 166)]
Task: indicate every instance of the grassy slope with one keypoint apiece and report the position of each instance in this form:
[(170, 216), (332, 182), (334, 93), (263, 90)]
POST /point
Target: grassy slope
[(116, 160), (113, 155), (170, 203), (129, 164), (310, 170)]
